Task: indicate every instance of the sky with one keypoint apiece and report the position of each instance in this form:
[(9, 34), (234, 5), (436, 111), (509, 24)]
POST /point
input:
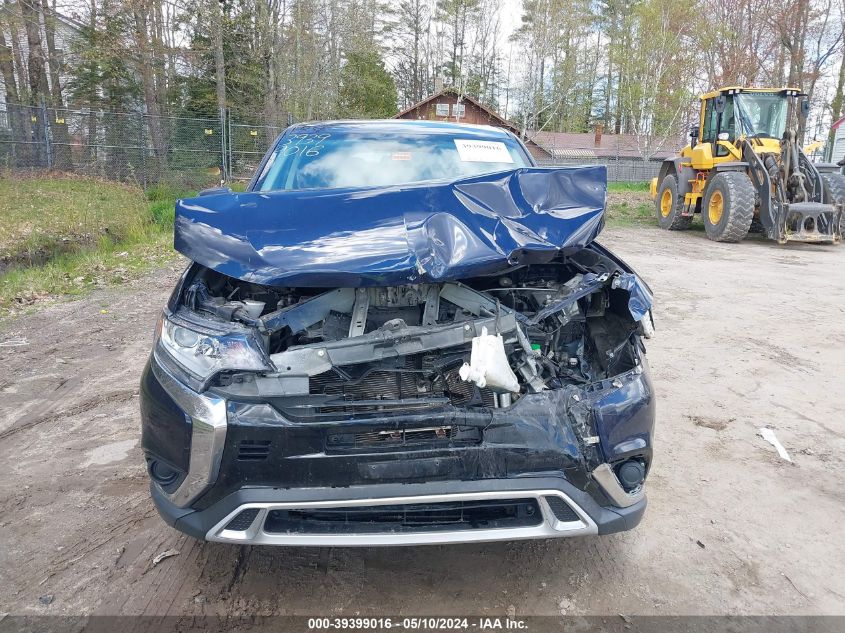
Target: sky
[(511, 16)]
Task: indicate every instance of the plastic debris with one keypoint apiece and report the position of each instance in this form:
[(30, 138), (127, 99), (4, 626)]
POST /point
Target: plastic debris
[(165, 554), (14, 342), (769, 435)]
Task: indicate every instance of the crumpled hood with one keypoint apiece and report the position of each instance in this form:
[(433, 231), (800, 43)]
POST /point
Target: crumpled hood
[(415, 233)]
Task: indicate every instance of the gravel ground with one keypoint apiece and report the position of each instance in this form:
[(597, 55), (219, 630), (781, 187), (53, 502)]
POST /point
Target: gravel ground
[(748, 335)]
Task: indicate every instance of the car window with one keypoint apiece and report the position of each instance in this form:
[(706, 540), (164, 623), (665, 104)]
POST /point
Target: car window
[(332, 160)]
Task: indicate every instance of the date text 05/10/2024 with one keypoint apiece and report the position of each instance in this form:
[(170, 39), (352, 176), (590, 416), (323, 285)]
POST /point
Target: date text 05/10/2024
[(418, 623)]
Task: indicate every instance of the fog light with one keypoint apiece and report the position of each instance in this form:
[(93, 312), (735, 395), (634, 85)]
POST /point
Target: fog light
[(631, 474), (161, 473)]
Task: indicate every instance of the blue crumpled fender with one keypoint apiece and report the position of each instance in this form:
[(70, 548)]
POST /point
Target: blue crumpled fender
[(640, 298), (422, 232)]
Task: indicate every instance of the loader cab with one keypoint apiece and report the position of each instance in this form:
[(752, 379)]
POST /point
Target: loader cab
[(752, 112), (730, 113)]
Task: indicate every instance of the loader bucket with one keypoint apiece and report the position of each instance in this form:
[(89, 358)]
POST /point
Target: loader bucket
[(811, 222)]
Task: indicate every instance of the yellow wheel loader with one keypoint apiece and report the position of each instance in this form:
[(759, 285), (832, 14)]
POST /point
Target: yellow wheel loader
[(743, 168)]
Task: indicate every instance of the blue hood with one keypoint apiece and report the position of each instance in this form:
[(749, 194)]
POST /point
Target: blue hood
[(381, 236)]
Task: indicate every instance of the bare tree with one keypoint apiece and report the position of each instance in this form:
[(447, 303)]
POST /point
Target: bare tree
[(217, 20), (151, 81), (411, 37)]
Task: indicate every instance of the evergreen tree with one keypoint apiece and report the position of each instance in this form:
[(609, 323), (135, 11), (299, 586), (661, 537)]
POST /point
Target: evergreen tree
[(367, 90)]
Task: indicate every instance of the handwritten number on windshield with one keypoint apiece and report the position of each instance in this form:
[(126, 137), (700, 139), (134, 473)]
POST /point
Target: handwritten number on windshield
[(307, 144)]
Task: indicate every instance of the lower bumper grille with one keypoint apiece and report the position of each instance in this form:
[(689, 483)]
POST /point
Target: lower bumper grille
[(243, 521), (364, 520), (393, 519), (561, 509)]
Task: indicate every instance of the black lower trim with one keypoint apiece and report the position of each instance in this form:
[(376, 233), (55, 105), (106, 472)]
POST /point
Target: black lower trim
[(407, 518)]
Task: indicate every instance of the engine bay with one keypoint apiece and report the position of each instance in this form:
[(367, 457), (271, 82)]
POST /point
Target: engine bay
[(477, 342)]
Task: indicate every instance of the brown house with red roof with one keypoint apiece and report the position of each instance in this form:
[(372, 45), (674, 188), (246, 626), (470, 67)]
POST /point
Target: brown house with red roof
[(454, 107), (620, 152)]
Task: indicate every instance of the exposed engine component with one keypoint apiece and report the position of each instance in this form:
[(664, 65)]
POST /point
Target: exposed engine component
[(488, 364), (480, 342)]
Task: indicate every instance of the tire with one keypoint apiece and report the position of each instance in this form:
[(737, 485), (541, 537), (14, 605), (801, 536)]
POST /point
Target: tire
[(669, 210), (836, 184), (728, 206)]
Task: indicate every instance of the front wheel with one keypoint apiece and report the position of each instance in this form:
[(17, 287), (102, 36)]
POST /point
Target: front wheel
[(728, 206), (669, 207), (836, 185)]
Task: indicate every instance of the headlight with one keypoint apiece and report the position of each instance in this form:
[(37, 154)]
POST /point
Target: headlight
[(647, 325), (203, 354)]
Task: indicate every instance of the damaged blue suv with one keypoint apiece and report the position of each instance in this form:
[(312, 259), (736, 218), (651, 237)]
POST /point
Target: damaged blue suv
[(402, 333)]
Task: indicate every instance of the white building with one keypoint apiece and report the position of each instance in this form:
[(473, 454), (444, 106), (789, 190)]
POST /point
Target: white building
[(66, 29), (836, 152)]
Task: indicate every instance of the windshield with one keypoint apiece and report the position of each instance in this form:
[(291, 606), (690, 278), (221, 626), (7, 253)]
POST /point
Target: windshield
[(331, 160), (762, 113)]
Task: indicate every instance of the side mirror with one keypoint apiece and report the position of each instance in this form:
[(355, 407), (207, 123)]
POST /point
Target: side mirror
[(804, 106), (693, 134), (720, 103)]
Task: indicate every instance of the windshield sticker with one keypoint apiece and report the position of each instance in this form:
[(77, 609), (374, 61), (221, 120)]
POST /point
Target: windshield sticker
[(482, 151)]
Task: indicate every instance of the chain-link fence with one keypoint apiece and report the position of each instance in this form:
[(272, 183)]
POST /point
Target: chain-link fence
[(135, 147), (619, 168), (183, 151)]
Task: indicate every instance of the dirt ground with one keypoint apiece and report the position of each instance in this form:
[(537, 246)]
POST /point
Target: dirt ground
[(747, 335)]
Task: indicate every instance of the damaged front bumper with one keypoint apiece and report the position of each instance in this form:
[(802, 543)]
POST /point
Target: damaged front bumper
[(544, 467)]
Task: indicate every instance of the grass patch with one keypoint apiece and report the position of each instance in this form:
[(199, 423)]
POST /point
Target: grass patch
[(166, 192), (627, 186), (64, 235), (630, 207), (78, 273), (43, 217), (162, 213)]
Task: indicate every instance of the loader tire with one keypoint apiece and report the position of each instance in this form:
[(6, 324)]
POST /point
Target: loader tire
[(669, 208), (728, 206), (836, 184)]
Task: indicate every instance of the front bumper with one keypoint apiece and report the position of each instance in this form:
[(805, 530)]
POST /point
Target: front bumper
[(211, 524), (529, 456)]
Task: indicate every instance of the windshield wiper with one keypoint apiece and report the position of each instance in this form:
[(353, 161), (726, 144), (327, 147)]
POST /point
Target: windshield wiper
[(745, 120)]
